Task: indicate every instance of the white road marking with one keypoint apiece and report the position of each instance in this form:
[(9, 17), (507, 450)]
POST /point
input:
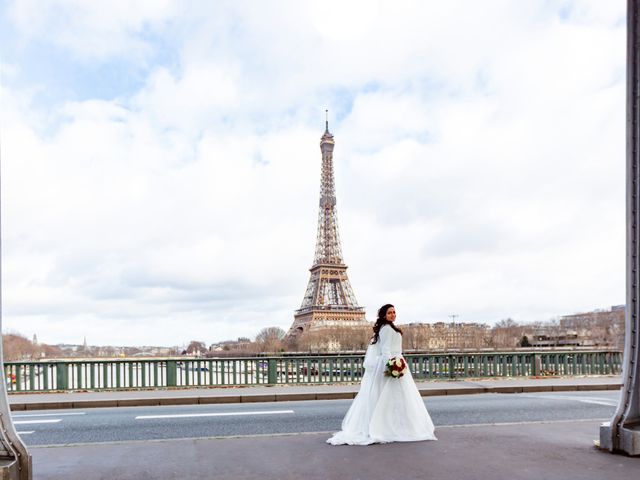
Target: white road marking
[(47, 414), (222, 414), (29, 422), (530, 422), (593, 400), (26, 433)]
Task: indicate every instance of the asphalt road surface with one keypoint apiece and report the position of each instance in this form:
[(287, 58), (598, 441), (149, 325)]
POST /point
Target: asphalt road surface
[(192, 421)]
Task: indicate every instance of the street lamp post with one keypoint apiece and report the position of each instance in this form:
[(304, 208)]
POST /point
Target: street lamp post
[(622, 433)]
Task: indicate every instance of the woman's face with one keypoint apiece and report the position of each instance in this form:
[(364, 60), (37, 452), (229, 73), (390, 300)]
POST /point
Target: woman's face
[(391, 314)]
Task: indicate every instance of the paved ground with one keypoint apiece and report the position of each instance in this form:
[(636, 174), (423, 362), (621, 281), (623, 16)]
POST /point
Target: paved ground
[(524, 451), (41, 401), (556, 450), (62, 427)]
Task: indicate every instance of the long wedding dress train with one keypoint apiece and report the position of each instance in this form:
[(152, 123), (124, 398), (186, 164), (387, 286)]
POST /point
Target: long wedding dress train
[(385, 409)]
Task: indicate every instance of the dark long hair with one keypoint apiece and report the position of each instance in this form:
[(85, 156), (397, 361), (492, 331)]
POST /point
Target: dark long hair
[(381, 321)]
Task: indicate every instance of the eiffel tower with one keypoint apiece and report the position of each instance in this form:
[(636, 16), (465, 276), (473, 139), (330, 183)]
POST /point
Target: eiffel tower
[(329, 300)]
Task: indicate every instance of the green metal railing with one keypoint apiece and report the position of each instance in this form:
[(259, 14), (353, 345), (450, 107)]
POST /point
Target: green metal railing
[(59, 375)]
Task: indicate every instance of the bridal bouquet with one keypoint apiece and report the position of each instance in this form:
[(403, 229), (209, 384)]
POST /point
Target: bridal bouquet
[(395, 367)]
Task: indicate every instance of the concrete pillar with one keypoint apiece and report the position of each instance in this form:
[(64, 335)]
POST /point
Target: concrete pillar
[(622, 434), (15, 461)]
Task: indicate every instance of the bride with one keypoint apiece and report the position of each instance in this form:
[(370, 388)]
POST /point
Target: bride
[(386, 409)]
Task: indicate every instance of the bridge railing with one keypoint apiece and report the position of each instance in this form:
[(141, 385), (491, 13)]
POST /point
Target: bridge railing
[(115, 374)]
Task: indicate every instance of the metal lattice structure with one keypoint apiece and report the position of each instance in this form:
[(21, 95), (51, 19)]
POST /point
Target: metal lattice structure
[(622, 434), (329, 299)]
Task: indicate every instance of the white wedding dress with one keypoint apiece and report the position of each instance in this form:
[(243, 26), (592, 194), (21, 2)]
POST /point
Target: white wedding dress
[(386, 409)]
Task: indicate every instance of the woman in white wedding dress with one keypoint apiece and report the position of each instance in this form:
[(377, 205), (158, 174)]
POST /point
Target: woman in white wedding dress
[(386, 409)]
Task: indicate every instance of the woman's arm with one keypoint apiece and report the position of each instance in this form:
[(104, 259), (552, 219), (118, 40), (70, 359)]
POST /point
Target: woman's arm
[(386, 332), (371, 355)]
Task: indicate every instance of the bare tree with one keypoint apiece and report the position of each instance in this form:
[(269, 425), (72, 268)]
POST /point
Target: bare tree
[(17, 347), (411, 337), (506, 333), (196, 348), (334, 338), (270, 339), (506, 323)]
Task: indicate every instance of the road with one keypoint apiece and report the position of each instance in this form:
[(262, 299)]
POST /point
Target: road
[(38, 428)]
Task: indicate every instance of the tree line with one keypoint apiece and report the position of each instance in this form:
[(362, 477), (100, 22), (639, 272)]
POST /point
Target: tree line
[(596, 329)]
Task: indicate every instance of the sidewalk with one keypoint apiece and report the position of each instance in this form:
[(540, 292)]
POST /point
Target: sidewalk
[(530, 450), (281, 393), (560, 450)]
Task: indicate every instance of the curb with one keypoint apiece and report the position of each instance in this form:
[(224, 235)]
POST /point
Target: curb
[(291, 397)]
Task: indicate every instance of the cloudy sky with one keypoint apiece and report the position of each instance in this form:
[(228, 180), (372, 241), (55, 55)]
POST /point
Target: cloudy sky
[(161, 162)]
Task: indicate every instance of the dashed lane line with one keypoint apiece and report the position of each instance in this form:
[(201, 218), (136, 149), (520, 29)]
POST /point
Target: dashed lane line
[(593, 400), (20, 415), (30, 422), (223, 414)]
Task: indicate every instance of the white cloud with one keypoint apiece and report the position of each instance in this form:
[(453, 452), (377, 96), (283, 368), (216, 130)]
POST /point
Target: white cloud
[(479, 165), (92, 30)]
